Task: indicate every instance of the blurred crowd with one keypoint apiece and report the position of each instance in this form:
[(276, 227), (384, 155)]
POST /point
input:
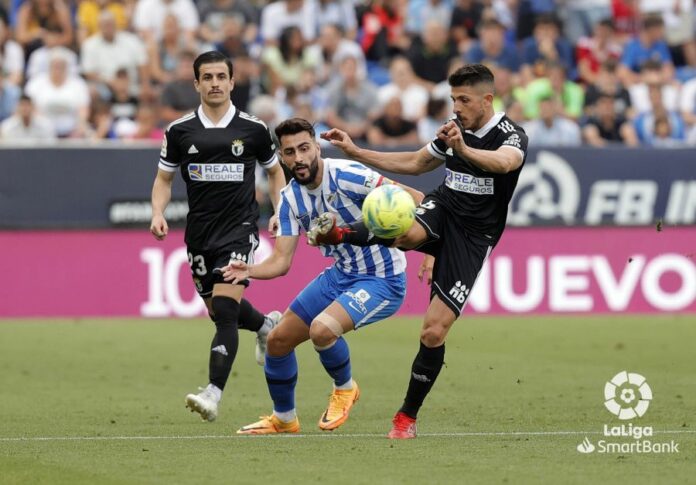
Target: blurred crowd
[(573, 72)]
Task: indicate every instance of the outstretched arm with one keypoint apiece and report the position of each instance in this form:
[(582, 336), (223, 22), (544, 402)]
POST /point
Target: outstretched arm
[(277, 264), (411, 163)]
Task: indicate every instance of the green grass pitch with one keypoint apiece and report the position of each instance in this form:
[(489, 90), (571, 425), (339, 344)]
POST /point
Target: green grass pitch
[(103, 402)]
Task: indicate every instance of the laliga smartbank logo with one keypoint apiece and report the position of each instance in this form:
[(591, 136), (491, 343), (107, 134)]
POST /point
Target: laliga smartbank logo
[(627, 396)]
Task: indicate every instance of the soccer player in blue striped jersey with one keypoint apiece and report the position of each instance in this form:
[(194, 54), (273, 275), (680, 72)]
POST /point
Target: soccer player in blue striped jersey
[(365, 284)]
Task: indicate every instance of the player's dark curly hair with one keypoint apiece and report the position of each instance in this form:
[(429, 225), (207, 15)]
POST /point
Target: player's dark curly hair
[(294, 126), (471, 75), (211, 57)]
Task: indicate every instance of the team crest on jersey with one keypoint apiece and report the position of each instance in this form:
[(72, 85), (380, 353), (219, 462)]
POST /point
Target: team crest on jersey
[(237, 147)]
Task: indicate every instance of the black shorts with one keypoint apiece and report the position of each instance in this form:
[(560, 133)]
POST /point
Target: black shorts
[(459, 255), (206, 265)]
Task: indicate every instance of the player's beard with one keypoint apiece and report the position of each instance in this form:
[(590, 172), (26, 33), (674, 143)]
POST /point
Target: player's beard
[(313, 169)]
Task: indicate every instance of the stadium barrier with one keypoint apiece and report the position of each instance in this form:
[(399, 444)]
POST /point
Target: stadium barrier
[(97, 187), (532, 271)]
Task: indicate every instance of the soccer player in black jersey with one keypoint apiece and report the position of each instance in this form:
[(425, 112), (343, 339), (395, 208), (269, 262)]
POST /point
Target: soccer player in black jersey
[(216, 148), (459, 223)]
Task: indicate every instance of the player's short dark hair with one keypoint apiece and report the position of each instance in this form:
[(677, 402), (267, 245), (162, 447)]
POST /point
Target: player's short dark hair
[(211, 57), (293, 126), (471, 75)]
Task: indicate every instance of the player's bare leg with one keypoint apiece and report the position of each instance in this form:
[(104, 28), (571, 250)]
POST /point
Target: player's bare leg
[(326, 333), (281, 376), (439, 318), (223, 349)]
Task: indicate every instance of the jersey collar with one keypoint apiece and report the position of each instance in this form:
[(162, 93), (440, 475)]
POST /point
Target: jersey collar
[(483, 131), (224, 121)]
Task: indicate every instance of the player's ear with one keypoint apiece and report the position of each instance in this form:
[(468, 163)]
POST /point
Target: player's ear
[(196, 85)]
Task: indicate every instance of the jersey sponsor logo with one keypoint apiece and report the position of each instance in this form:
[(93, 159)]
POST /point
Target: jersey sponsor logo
[(506, 127), (238, 147), (514, 140), (360, 297), (464, 182), (459, 292), (216, 172)]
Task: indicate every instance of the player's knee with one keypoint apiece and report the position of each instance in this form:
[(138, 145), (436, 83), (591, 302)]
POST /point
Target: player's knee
[(321, 335), (434, 332), (278, 344), (225, 310)]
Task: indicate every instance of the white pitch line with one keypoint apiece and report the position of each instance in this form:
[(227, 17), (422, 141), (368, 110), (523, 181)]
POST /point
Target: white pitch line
[(320, 435)]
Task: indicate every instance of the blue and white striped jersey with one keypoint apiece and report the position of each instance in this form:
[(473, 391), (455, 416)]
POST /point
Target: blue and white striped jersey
[(343, 188)]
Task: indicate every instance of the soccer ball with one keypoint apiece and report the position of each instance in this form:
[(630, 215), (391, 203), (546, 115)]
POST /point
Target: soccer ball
[(388, 211)]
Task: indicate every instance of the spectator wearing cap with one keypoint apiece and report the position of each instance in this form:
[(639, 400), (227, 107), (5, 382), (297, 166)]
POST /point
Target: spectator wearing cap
[(25, 125), (544, 46), (492, 48), (591, 52), (552, 129), (61, 97), (649, 45), (606, 127)]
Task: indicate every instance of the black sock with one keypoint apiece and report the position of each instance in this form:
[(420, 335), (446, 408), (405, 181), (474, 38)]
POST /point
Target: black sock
[(223, 349), (249, 317), (360, 235), (425, 369)]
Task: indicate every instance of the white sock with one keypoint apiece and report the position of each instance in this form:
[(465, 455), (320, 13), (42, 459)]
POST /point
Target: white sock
[(345, 387), (215, 391), (265, 328), (285, 416)]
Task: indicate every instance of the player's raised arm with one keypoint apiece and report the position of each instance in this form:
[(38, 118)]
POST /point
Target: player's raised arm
[(411, 163), (161, 195), (277, 264)]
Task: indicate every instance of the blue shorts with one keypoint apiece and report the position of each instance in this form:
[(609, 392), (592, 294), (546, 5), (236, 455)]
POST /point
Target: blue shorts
[(366, 298)]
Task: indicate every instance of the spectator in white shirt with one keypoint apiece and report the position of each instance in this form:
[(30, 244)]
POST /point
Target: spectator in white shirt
[(11, 56), (110, 50), (550, 129), (149, 16), (404, 85), (25, 125), (276, 16), (333, 47), (61, 97)]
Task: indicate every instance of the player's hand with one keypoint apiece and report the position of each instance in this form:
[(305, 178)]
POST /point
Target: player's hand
[(159, 227), (319, 227), (426, 269), (235, 272), (340, 139), (273, 226), (453, 137)]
